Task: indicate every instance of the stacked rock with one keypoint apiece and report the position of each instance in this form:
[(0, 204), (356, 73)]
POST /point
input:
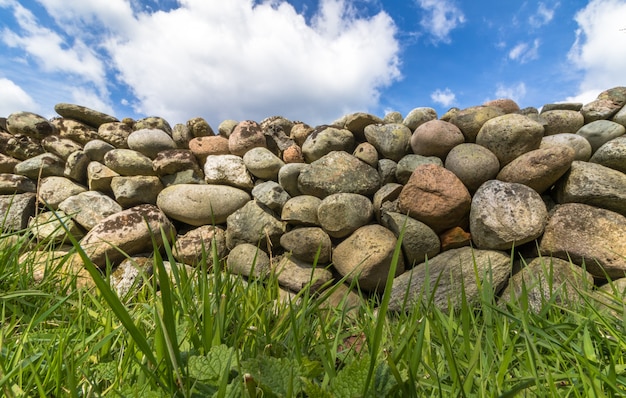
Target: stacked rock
[(455, 194)]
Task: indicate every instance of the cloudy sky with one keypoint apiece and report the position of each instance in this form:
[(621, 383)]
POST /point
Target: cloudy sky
[(308, 60)]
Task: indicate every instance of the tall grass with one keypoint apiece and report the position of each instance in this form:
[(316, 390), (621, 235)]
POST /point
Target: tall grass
[(206, 332)]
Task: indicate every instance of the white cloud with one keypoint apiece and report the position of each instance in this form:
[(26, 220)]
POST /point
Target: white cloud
[(599, 48), (515, 92), (543, 16), (444, 97), (441, 17), (524, 52), (14, 99)]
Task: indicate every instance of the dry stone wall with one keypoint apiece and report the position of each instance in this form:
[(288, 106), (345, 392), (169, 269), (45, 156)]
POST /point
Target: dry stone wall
[(463, 190)]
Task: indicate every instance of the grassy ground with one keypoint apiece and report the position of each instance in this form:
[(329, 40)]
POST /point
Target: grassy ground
[(211, 334)]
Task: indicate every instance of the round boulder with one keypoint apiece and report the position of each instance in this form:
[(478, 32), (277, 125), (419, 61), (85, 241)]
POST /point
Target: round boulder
[(473, 164), (436, 138), (510, 136), (341, 214)]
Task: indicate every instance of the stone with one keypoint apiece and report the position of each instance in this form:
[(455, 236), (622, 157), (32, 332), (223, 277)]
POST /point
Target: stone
[(565, 106), (580, 145), (367, 153), (393, 117), (407, 165), (506, 105), (387, 193), (130, 191), (201, 204), (30, 125), (66, 273), (99, 177), (326, 139), (202, 147), (181, 136), (83, 114), (130, 275), (271, 195), (199, 127), (611, 297), (587, 236), (54, 226), (392, 141), (288, 177), (561, 121), (366, 257), (308, 244), (296, 275), (75, 131), (226, 127), (62, 147), (201, 244), (548, 280), (510, 136), (127, 162), (419, 241), (227, 170), (150, 142), (620, 117), (436, 197), (153, 122), (133, 231), (387, 170), (300, 132), (471, 120), (89, 208), (539, 169), (338, 172), (357, 122), (16, 210), (76, 167), (419, 116), (248, 260), (293, 154), (612, 154), (301, 210), (254, 224), (608, 103), (455, 238), (14, 183), (473, 164), (276, 134), (54, 190), (183, 177), (23, 147), (96, 149), (341, 214), (436, 138), (44, 165), (115, 133), (262, 163), (7, 164), (600, 132), (595, 185), (245, 136), (174, 160), (449, 278), (504, 215)]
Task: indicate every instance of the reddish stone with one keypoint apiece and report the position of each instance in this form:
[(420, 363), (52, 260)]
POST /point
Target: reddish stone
[(506, 105), (246, 135), (454, 238), (293, 154), (202, 147)]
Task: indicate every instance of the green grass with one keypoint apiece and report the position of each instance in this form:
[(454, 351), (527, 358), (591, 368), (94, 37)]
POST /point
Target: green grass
[(209, 333)]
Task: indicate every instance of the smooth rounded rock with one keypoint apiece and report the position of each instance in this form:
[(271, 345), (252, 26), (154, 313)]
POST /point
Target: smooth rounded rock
[(309, 244), (99, 177), (202, 147), (150, 142), (44, 165), (580, 145), (14, 183), (153, 122), (471, 120), (130, 191), (62, 147), (343, 213), (357, 122), (201, 204), (407, 165), (510, 136), (295, 275), (271, 195), (288, 177), (227, 170), (199, 127), (54, 226), (75, 131), (367, 153), (96, 149), (173, 161), (562, 121), (600, 132), (127, 162), (115, 133), (419, 116), (436, 138), (392, 141), (301, 210), (83, 114), (54, 190), (419, 241), (326, 139), (506, 105), (89, 208), (262, 163), (248, 260), (245, 136), (612, 154), (29, 124), (473, 164), (253, 224), (22, 147)]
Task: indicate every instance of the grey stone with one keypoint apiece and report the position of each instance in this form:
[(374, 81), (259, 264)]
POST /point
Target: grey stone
[(600, 132), (565, 106), (76, 167), (506, 214), (262, 163), (580, 145), (54, 226), (473, 164), (392, 141), (89, 208), (419, 241), (153, 122), (510, 136), (62, 147), (271, 195), (183, 177), (181, 136), (29, 124), (446, 278), (199, 127), (341, 214), (301, 210), (7, 164), (419, 116), (393, 117), (201, 204), (99, 177), (408, 164), (326, 139), (130, 275), (16, 210), (288, 177), (75, 131), (44, 165), (387, 169), (254, 224), (387, 193), (595, 185), (128, 162), (14, 183), (226, 127), (130, 191), (96, 149), (612, 154), (83, 114), (248, 260), (150, 142), (471, 120), (561, 121), (305, 243), (357, 122), (588, 236), (620, 117), (174, 160), (295, 275), (54, 190), (227, 170), (201, 244)]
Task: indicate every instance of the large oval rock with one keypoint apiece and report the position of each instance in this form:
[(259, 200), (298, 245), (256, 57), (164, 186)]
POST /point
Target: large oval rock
[(254, 224), (127, 162), (587, 235), (227, 170), (612, 154), (305, 244), (75, 131), (202, 147), (580, 145), (54, 190), (561, 121), (326, 139), (15, 183), (128, 232), (392, 141), (600, 132), (419, 241), (510, 136), (338, 172), (366, 255), (29, 124), (473, 164), (62, 147), (262, 163), (201, 204), (539, 169), (89, 208), (595, 185), (150, 142), (83, 114), (436, 197), (44, 165), (341, 214), (506, 214), (471, 120), (606, 105), (436, 138), (450, 277)]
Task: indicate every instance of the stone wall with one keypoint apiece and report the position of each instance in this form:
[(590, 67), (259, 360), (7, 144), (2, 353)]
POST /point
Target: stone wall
[(463, 190)]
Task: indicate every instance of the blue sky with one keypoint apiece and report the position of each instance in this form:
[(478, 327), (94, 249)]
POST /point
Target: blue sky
[(306, 60)]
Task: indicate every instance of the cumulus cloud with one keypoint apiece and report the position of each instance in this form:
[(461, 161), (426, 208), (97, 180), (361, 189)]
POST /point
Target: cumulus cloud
[(440, 18), (516, 92), (543, 16), (598, 51), (524, 52), (444, 97), (14, 98)]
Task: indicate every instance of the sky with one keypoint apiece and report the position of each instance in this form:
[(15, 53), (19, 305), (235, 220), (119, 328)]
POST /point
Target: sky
[(310, 61)]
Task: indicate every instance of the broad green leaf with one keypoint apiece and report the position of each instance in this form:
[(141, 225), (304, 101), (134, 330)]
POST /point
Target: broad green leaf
[(350, 380), (212, 366), (279, 376)]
